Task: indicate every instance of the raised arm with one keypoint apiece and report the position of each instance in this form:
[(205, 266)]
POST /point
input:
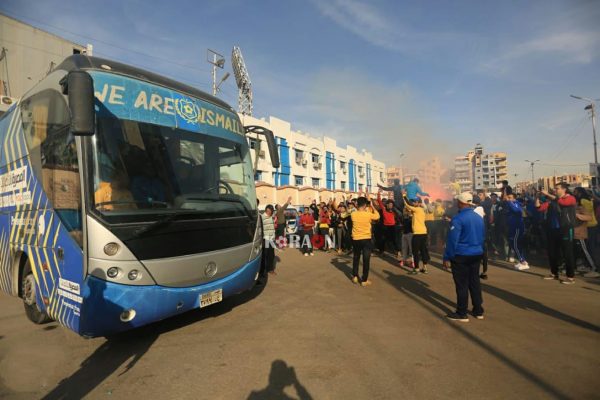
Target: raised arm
[(411, 208)]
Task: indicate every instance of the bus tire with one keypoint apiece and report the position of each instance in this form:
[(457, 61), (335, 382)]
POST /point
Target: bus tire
[(32, 310)]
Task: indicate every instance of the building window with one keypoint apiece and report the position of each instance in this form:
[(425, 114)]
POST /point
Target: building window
[(381, 176), (342, 165), (360, 170), (299, 156), (315, 182), (314, 157), (343, 185), (253, 143), (299, 180), (258, 176), (360, 187)]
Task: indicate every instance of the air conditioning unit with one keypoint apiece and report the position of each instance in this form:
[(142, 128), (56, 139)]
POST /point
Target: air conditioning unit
[(317, 165), (304, 163), (362, 174), (261, 154), (344, 171)]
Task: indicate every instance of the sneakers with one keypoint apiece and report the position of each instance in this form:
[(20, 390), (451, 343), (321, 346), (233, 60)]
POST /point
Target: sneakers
[(305, 254), (568, 281), (312, 254), (457, 317), (591, 274), (479, 316), (424, 271), (414, 271), (483, 276), (550, 277), (522, 266), (355, 280), (511, 259), (365, 283)]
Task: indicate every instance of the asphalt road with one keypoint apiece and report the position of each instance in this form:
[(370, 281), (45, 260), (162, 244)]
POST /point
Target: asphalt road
[(311, 333)]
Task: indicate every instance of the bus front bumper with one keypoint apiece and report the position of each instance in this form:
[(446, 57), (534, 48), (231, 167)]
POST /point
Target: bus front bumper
[(110, 308)]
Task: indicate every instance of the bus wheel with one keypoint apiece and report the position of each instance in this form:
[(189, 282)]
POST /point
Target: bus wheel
[(32, 310)]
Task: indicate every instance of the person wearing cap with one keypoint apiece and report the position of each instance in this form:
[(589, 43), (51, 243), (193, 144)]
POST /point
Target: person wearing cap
[(464, 251)]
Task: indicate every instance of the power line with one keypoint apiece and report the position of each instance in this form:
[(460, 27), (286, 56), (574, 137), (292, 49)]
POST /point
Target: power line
[(564, 165), (32, 47), (111, 44), (570, 138)]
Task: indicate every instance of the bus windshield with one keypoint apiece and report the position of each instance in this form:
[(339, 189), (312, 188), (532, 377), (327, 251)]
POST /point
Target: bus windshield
[(141, 171)]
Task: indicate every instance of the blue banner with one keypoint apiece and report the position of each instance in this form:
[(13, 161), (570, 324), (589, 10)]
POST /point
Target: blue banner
[(127, 98)]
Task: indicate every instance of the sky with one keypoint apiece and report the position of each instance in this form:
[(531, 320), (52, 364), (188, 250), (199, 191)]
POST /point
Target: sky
[(421, 78)]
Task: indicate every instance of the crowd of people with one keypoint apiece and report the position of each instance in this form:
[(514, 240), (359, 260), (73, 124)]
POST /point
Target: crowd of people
[(557, 227)]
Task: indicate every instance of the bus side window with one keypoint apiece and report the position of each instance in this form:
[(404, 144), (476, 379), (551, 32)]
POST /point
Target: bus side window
[(53, 156)]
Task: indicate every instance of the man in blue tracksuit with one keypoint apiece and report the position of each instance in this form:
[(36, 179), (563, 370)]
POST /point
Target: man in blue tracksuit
[(464, 250), (516, 230), (413, 189)]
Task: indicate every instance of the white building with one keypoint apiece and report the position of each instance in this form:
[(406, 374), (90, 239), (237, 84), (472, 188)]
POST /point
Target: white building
[(316, 162), (479, 170), (463, 172), (27, 54)]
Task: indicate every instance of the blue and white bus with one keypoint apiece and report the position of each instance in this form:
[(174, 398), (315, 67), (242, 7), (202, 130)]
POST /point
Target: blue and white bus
[(125, 198)]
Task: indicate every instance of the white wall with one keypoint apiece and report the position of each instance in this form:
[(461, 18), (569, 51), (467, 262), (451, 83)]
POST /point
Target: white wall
[(297, 140), (30, 52)]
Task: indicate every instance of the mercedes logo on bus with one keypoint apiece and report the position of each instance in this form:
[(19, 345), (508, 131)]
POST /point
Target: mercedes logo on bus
[(211, 269)]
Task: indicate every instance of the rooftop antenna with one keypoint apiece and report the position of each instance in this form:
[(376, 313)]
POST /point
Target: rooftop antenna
[(243, 82)]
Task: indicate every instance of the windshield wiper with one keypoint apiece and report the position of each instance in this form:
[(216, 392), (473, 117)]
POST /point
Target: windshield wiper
[(165, 220), (247, 210), (150, 202)]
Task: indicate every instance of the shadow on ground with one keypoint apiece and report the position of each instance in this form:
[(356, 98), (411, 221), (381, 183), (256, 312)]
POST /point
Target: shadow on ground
[(280, 377), (419, 292), (133, 345), (528, 304)]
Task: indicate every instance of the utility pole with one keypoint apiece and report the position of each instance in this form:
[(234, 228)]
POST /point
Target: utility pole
[(532, 163), (217, 60), (592, 108)]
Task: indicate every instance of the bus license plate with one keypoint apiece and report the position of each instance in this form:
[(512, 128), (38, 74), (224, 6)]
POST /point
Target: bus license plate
[(206, 299)]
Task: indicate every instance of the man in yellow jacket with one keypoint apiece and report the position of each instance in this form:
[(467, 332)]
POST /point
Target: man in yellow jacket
[(361, 238)]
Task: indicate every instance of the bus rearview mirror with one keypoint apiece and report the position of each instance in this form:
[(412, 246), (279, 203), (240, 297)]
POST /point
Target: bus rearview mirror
[(80, 89), (270, 138)]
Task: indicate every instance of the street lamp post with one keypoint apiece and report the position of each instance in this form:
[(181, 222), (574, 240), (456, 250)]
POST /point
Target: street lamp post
[(217, 60), (592, 107), (532, 163)]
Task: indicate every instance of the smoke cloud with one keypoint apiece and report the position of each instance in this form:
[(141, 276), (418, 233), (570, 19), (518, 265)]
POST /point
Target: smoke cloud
[(386, 119)]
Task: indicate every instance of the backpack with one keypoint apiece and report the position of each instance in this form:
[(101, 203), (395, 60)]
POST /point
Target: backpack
[(567, 218)]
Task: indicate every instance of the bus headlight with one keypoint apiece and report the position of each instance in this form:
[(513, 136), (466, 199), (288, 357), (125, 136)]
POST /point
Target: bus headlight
[(110, 249), (133, 274), (112, 272)]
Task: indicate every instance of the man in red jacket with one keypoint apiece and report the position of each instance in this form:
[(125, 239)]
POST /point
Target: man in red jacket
[(560, 240), (307, 223), (389, 224)]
